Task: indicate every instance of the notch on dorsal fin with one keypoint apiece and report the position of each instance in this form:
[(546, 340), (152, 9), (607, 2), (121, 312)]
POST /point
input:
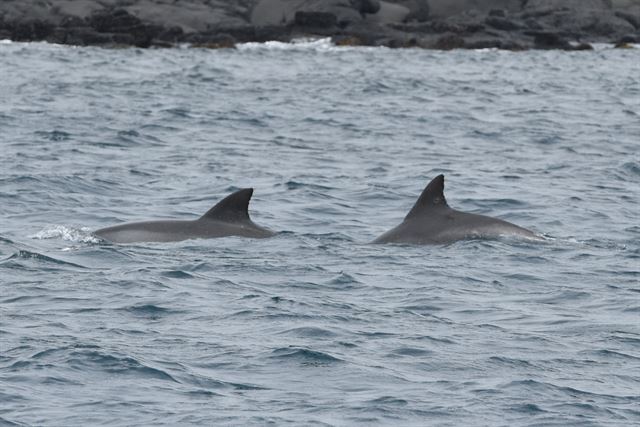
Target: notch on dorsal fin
[(432, 196), (234, 207)]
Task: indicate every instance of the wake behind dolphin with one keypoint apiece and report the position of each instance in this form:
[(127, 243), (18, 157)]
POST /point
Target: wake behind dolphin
[(230, 217), (432, 221)]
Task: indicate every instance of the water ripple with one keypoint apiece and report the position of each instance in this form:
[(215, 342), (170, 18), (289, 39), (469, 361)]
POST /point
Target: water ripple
[(316, 326)]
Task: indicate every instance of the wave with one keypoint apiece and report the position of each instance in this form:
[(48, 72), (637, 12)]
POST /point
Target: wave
[(150, 311), (309, 332), (38, 257), (305, 356)]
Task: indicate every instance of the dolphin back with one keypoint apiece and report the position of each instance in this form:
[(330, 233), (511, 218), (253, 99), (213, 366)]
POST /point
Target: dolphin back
[(432, 221), (432, 197), (229, 217), (233, 208)]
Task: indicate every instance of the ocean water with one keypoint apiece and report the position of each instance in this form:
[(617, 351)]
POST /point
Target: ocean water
[(316, 326)]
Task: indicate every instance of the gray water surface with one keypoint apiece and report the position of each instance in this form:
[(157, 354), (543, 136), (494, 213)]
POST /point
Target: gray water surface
[(316, 326)]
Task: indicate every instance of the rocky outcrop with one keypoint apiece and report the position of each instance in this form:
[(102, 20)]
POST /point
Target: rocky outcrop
[(578, 18), (437, 24), (443, 9)]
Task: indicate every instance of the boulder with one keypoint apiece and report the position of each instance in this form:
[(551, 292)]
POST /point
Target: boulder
[(112, 20), (631, 18), (315, 19), (503, 24), (77, 9), (566, 4), (191, 16), (594, 19), (388, 13), (283, 12), (85, 36), (443, 9), (31, 30), (449, 42), (126, 28), (366, 6), (419, 10), (623, 4), (549, 40)]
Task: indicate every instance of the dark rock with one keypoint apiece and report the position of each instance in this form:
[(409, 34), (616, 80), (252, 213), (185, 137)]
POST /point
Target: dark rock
[(86, 36), (112, 20), (369, 35), (484, 44), (473, 28), (513, 46), (242, 33), (31, 30), (607, 25), (448, 8), (449, 42), (502, 24), (346, 40), (397, 41), (567, 4), (171, 35), (272, 32), (58, 36), (544, 40), (533, 24), (591, 19), (419, 10), (316, 19), (500, 13), (282, 12), (630, 18), (627, 42), (144, 34), (535, 14), (72, 21), (439, 27), (628, 39), (582, 46), (125, 39), (366, 6), (217, 41), (389, 13)]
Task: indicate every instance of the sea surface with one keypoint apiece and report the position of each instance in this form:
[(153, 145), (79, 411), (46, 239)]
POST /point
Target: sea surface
[(316, 326)]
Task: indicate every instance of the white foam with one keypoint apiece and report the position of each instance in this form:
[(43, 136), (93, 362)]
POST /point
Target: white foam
[(71, 234), (302, 44)]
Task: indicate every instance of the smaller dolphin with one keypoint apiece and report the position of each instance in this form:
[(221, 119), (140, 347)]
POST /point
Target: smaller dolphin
[(432, 221), (230, 217)]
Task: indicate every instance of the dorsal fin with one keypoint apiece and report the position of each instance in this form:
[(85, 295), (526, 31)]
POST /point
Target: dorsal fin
[(432, 196), (233, 208)]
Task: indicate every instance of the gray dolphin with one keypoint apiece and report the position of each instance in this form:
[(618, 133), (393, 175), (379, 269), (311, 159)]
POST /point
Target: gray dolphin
[(230, 217), (432, 221)]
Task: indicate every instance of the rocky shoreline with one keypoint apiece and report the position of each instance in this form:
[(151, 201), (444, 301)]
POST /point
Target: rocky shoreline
[(429, 24)]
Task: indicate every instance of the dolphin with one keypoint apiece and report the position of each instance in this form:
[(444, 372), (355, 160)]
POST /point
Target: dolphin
[(230, 217), (432, 221)]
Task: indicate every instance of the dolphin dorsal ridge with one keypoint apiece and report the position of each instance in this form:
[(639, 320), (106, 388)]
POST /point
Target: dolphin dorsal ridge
[(233, 208), (432, 197)]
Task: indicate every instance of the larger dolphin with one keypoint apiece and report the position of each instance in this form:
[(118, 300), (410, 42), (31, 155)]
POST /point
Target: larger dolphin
[(230, 217), (432, 221)]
